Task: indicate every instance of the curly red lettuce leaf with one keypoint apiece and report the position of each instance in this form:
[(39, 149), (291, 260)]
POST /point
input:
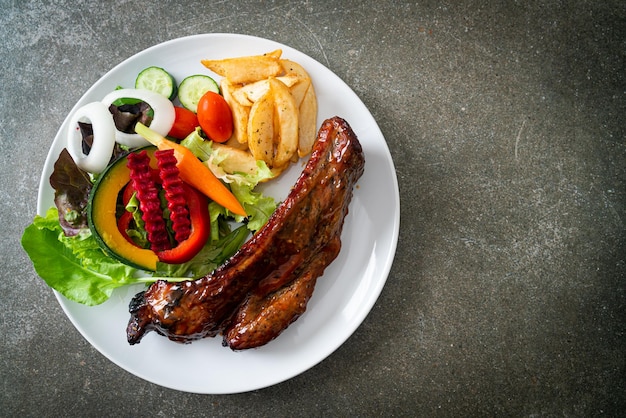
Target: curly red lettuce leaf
[(71, 193)]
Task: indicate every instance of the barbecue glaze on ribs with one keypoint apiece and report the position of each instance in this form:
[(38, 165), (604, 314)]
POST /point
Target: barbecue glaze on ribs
[(266, 285)]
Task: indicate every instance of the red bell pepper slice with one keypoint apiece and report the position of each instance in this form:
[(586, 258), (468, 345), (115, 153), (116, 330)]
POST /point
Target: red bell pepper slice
[(198, 206), (123, 224)]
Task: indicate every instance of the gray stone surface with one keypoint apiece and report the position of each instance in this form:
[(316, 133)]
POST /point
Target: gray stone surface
[(506, 124)]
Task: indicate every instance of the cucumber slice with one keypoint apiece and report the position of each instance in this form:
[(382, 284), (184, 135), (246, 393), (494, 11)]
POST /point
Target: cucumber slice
[(192, 88), (158, 80)]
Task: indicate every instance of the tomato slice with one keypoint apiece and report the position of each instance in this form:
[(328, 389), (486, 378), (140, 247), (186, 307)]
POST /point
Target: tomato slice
[(184, 123), (215, 117)]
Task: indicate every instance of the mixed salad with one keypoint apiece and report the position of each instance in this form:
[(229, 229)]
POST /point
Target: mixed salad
[(145, 189)]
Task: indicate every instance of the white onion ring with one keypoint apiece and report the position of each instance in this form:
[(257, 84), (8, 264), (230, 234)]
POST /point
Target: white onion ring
[(162, 122), (103, 137)]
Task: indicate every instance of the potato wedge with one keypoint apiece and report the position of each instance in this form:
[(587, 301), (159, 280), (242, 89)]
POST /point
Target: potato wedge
[(307, 118), (240, 113), (276, 171), (239, 94), (285, 123), (293, 68), (298, 90), (238, 161), (277, 53), (247, 69), (261, 129), (274, 109), (234, 143), (250, 93)]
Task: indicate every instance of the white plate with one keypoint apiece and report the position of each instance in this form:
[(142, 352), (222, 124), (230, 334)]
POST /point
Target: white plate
[(343, 296)]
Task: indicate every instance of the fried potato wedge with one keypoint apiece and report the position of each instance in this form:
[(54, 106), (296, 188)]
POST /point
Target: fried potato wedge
[(234, 143), (250, 93), (293, 68), (285, 123), (247, 69), (261, 129), (277, 53), (239, 94), (307, 119), (240, 112), (238, 161), (298, 91), (274, 109)]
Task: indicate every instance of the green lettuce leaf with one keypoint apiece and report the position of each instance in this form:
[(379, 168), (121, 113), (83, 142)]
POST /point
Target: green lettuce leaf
[(81, 271), (75, 266)]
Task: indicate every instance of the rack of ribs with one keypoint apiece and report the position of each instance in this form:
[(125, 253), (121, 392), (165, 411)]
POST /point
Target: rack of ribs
[(266, 285)]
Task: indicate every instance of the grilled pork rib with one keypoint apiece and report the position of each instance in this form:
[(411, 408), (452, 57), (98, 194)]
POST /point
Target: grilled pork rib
[(266, 285)]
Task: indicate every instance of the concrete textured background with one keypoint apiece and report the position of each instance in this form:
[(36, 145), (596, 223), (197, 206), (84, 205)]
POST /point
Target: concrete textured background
[(505, 121)]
